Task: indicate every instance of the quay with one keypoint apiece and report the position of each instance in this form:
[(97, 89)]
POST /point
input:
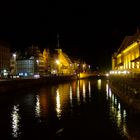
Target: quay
[(21, 83), (127, 89)]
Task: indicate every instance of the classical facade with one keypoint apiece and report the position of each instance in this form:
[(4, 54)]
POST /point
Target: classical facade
[(128, 55)]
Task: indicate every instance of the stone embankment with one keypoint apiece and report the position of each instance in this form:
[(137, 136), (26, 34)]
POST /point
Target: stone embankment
[(20, 84), (17, 84), (128, 90)]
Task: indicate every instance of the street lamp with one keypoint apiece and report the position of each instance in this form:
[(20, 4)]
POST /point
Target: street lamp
[(14, 55), (37, 63), (58, 63), (14, 59)]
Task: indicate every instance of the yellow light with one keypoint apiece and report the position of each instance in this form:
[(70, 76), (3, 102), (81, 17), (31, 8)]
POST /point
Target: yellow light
[(130, 47), (57, 62), (58, 104), (84, 65)]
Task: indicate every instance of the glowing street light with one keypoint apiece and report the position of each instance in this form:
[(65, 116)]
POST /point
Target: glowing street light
[(14, 55), (57, 62), (37, 61)]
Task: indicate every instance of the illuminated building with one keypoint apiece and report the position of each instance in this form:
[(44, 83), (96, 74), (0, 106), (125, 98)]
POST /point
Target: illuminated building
[(47, 61), (63, 62), (25, 67), (4, 59), (128, 55), (39, 60), (30, 62)]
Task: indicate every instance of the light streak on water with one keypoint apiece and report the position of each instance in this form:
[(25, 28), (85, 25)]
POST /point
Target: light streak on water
[(15, 121), (84, 92), (37, 107), (58, 104), (71, 96), (99, 84), (89, 89), (78, 92), (117, 113)]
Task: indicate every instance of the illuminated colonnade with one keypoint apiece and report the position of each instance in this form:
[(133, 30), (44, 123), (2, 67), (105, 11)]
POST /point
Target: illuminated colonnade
[(128, 55)]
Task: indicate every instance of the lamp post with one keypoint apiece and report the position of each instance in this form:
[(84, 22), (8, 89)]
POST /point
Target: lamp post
[(14, 59), (37, 63)]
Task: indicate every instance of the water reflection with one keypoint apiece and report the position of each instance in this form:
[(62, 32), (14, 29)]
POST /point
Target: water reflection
[(37, 106), (15, 121), (58, 105), (89, 89), (78, 91), (117, 112), (71, 96), (99, 84), (68, 103), (84, 92)]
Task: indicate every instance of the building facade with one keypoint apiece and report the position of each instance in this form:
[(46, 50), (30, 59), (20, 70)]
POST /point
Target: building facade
[(128, 55), (25, 67), (4, 59)]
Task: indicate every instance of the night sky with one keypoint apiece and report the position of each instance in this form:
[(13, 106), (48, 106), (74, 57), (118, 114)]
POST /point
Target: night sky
[(90, 32)]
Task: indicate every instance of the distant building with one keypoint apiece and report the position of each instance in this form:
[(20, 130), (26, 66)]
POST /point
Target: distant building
[(47, 61), (39, 59), (28, 63), (25, 67), (128, 55), (4, 59), (62, 63)]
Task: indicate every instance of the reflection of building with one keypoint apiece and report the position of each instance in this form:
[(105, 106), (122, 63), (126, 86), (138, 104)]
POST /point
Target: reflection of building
[(128, 55), (4, 59)]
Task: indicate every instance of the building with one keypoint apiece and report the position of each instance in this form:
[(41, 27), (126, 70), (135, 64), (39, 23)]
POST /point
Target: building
[(28, 63), (127, 58), (39, 59), (4, 59), (63, 63), (25, 67)]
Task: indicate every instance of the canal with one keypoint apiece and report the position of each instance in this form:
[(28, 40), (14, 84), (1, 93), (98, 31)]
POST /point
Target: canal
[(85, 109)]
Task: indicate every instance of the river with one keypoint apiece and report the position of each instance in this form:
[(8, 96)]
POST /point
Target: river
[(80, 109)]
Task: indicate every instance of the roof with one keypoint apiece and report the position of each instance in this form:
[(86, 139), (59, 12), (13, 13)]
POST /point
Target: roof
[(128, 40)]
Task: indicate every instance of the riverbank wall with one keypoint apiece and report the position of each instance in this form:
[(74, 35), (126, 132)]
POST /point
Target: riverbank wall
[(21, 84), (24, 83), (128, 91)]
